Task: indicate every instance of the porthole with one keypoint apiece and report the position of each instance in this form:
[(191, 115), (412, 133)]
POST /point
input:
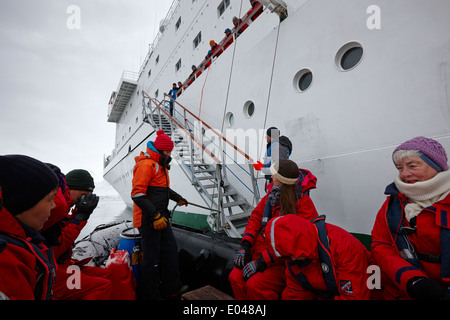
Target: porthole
[(229, 118), (249, 109), (349, 56), (303, 80)]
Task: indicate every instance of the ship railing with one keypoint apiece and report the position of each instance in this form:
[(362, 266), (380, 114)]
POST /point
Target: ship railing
[(245, 22), (168, 17), (215, 141), (161, 108), (129, 76), (210, 147), (222, 149), (149, 113), (160, 111)]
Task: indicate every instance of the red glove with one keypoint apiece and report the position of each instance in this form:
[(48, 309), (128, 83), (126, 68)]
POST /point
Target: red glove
[(258, 165)]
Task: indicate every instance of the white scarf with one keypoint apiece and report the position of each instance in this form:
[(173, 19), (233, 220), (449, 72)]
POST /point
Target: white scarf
[(424, 193)]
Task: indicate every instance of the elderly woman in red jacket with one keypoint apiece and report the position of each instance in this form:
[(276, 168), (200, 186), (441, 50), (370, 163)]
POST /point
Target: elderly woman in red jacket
[(411, 235), (259, 275), (28, 188)]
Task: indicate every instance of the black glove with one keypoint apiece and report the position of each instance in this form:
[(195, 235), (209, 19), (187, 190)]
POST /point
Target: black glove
[(424, 289), (244, 255), (85, 205)]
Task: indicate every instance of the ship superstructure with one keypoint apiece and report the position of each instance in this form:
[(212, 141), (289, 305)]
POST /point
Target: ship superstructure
[(346, 81)]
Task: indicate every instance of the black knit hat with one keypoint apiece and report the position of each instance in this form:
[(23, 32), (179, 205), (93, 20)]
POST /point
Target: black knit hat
[(24, 182), (273, 132), (80, 179)]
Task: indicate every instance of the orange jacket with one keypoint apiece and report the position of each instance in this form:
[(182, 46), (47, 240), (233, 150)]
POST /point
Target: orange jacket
[(151, 188)]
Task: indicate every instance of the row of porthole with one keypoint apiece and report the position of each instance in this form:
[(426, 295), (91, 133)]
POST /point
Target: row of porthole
[(346, 59)]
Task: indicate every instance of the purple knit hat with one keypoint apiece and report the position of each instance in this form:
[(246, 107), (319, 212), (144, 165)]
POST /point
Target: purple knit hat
[(433, 153)]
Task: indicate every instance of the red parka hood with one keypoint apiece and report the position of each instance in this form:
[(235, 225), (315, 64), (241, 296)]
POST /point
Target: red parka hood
[(292, 236), (306, 180)]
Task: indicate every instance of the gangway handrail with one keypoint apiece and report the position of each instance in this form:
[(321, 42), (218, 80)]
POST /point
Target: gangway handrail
[(247, 19), (235, 147), (226, 189), (181, 127)]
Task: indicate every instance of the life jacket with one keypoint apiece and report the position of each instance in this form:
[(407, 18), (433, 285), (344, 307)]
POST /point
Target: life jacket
[(394, 218), (328, 271), (45, 271)]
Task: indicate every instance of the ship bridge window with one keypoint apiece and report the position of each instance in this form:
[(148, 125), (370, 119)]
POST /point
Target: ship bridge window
[(303, 80), (349, 56)]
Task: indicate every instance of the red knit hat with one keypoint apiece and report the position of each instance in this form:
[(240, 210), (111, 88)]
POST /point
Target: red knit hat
[(163, 141)]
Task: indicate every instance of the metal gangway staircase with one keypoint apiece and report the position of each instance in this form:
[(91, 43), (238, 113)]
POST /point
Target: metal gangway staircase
[(209, 161)]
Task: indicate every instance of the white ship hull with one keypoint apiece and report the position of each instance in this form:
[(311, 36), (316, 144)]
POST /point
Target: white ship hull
[(344, 127)]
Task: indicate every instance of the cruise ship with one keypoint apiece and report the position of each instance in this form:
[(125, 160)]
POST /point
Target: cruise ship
[(346, 81)]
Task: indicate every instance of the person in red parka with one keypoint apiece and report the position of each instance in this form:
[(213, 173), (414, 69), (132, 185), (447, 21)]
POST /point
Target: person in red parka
[(326, 262), (257, 7), (239, 26), (95, 282), (411, 235), (257, 274), (28, 188)]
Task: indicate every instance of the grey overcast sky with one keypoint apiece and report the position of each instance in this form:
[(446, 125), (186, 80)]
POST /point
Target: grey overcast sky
[(56, 81)]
